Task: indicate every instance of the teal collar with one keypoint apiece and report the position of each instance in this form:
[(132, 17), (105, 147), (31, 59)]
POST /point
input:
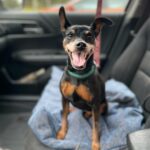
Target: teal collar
[(84, 75)]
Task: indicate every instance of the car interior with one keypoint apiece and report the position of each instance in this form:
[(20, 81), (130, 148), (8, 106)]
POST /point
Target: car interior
[(31, 43)]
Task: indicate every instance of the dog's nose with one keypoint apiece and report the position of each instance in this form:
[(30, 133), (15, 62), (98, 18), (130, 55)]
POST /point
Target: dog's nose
[(81, 46)]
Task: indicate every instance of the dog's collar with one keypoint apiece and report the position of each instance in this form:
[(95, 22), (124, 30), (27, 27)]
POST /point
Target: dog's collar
[(84, 74)]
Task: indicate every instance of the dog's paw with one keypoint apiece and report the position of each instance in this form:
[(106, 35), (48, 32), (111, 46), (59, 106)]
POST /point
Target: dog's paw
[(96, 146), (60, 135)]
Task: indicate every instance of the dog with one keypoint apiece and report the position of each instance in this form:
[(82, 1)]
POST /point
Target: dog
[(81, 83)]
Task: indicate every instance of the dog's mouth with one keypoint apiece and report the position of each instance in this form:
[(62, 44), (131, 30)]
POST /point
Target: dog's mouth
[(79, 59)]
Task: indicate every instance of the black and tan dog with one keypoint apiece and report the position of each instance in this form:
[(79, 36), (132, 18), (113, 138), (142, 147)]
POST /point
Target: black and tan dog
[(81, 83)]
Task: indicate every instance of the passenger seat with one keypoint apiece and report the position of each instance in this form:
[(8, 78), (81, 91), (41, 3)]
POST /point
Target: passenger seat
[(133, 67)]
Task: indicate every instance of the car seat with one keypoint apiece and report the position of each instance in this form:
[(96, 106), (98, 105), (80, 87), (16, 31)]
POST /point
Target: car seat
[(133, 67)]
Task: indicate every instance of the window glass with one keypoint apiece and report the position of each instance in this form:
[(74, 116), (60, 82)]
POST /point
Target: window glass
[(52, 6)]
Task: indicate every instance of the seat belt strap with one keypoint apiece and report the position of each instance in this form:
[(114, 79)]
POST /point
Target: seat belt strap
[(98, 40)]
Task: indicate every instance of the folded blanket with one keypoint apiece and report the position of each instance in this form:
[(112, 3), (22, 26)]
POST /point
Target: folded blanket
[(124, 116)]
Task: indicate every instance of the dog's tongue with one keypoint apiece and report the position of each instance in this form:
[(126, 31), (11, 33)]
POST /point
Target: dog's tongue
[(78, 59)]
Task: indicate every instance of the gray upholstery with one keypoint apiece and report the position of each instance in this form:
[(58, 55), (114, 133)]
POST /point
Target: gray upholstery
[(13, 130), (33, 143), (147, 124), (133, 67), (139, 140)]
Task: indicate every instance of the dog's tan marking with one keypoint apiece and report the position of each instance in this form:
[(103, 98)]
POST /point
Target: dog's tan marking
[(63, 130), (71, 46), (96, 146), (88, 33), (95, 130), (64, 127), (64, 124), (84, 92), (67, 88), (70, 31)]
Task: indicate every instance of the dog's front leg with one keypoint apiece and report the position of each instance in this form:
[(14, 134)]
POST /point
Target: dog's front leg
[(64, 124), (95, 129)]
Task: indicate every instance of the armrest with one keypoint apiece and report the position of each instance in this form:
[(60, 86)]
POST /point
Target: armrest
[(139, 140)]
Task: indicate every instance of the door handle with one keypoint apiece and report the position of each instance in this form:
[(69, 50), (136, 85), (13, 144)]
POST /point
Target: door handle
[(33, 30)]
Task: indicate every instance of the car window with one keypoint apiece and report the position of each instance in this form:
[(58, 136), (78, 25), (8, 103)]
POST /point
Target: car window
[(72, 6)]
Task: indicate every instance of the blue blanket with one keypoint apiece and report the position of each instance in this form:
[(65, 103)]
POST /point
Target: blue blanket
[(124, 116)]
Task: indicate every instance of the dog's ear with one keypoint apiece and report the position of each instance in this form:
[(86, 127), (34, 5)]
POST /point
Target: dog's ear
[(98, 24), (64, 23)]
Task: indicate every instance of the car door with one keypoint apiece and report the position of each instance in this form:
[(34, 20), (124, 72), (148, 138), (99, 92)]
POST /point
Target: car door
[(31, 42)]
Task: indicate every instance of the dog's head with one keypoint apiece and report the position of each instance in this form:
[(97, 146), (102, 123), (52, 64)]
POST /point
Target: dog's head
[(79, 40)]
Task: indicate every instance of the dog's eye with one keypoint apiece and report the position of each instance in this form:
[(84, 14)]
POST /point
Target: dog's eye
[(70, 34), (89, 35)]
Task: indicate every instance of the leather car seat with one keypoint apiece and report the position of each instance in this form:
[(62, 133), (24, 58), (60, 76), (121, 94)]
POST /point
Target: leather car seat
[(133, 67)]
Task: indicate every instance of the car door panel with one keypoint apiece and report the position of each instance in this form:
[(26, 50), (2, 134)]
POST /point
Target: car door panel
[(37, 44)]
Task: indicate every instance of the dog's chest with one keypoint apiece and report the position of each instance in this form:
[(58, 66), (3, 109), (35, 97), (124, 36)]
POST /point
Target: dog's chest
[(82, 90)]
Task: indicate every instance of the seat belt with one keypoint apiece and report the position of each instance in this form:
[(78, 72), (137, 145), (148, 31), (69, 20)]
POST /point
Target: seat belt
[(98, 40), (143, 17), (138, 25)]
